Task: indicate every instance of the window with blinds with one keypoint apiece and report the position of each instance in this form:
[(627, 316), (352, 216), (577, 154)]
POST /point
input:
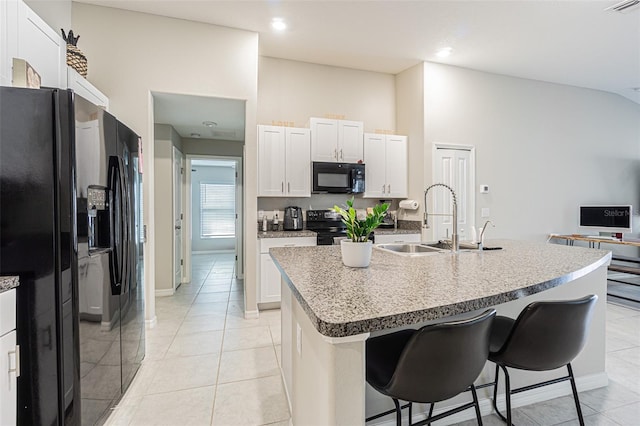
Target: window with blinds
[(217, 210)]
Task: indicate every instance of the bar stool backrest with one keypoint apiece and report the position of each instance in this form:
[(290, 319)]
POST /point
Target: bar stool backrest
[(442, 360), (547, 334)]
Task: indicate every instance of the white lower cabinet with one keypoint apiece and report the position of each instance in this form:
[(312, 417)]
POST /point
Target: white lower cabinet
[(9, 359), (396, 238), (269, 285)]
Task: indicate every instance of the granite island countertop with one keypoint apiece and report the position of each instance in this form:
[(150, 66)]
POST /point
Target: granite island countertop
[(308, 233), (7, 283), (399, 290)]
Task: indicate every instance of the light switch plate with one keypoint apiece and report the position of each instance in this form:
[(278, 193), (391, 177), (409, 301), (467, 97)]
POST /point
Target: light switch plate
[(484, 212)]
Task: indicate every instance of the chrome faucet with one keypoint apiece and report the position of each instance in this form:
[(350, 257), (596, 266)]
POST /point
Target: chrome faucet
[(484, 228), (455, 245)]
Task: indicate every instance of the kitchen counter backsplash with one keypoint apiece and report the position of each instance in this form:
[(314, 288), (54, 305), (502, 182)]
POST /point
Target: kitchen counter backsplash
[(7, 283), (412, 225)]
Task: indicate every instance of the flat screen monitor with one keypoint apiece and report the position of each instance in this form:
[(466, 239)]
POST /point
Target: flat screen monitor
[(606, 218)]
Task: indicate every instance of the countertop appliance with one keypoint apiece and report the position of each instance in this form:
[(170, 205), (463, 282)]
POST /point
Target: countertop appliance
[(74, 249), (292, 218), (328, 226), (338, 178)]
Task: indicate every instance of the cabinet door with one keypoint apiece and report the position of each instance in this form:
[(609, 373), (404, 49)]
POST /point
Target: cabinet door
[(271, 164), (350, 141), (8, 39), (42, 47), (269, 280), (298, 162), (8, 379), (375, 165), (324, 139), (82, 87), (396, 167)]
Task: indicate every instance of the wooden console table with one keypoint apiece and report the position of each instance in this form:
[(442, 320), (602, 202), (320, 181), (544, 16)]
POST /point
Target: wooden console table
[(593, 240), (625, 268)]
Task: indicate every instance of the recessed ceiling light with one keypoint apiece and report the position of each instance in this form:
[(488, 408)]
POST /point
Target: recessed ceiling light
[(444, 52), (636, 89), (209, 123), (278, 24), (195, 135)]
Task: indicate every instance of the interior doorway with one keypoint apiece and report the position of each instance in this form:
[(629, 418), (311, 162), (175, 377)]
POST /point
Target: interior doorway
[(214, 208)]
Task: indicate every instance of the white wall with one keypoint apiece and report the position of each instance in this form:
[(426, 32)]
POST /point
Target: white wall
[(213, 174), (295, 91), (542, 148), (131, 54)]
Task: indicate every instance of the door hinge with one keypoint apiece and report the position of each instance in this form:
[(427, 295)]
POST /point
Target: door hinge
[(236, 215), (181, 216), (236, 257), (181, 170), (236, 175), (181, 262)]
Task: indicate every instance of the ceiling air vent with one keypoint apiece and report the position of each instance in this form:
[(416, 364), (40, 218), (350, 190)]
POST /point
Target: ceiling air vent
[(226, 134), (624, 6)]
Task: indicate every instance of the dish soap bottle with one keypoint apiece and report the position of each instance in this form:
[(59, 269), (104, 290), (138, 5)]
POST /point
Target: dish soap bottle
[(264, 223), (275, 222)]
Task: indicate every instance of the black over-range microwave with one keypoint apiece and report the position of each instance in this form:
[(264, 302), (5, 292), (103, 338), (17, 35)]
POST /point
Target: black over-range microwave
[(338, 178)]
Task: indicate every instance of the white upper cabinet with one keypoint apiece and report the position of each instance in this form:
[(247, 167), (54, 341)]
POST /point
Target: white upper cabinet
[(284, 163), (298, 162), (88, 91), (337, 141), (386, 166), (24, 35)]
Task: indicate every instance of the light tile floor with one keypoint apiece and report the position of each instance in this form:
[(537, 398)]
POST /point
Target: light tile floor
[(205, 364)]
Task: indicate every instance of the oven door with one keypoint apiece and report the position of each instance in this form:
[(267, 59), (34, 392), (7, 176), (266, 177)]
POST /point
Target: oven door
[(332, 178)]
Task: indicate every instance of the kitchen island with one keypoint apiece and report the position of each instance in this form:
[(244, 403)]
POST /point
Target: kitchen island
[(329, 310)]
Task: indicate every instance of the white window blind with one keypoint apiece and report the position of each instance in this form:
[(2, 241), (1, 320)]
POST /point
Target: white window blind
[(217, 210)]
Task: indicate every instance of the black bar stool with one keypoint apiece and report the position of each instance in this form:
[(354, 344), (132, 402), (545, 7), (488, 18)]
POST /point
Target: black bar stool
[(545, 336), (432, 364)]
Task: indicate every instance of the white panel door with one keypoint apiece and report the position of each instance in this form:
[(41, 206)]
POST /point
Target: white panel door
[(324, 139), (375, 165), (453, 167), (350, 141), (298, 162), (177, 218), (396, 167), (271, 161)]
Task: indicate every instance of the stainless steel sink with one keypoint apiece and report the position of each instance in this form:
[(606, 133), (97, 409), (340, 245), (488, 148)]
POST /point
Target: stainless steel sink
[(423, 249), (414, 249)]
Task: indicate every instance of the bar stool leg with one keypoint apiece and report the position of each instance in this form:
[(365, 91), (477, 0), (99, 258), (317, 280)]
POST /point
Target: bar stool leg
[(575, 394), (410, 413), (398, 413), (495, 394), (476, 405), (507, 394)]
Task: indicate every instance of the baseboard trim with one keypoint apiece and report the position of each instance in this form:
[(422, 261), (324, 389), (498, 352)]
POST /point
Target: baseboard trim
[(149, 324), (164, 292), (212, 251), (251, 314), (584, 383)]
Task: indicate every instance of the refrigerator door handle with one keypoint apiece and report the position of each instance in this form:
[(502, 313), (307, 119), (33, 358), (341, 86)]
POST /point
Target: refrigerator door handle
[(114, 224)]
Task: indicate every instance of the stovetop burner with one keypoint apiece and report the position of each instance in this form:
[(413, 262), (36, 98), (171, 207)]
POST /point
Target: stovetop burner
[(327, 224)]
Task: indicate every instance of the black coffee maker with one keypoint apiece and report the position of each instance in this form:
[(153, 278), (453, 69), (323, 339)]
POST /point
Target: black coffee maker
[(292, 218)]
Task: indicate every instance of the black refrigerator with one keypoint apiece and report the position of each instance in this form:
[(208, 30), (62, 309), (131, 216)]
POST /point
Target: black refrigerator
[(44, 225)]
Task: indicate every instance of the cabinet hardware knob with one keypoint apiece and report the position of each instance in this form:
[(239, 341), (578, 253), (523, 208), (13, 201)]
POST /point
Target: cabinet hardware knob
[(289, 187), (282, 187)]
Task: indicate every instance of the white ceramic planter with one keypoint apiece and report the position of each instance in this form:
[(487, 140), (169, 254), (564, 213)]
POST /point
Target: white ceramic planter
[(356, 255)]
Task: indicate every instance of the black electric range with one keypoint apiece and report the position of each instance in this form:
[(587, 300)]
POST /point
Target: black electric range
[(328, 226)]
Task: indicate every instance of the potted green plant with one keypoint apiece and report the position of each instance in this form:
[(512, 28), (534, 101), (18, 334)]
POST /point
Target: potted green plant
[(356, 250)]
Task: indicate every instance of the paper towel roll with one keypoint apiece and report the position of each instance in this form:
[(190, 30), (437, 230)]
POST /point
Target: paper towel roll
[(409, 204)]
